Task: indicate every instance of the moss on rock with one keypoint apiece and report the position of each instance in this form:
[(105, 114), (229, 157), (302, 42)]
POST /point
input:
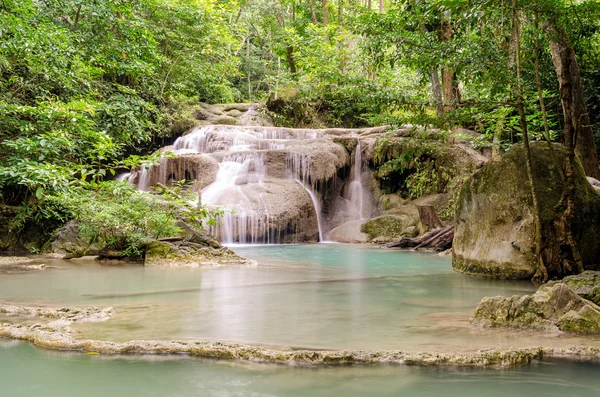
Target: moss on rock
[(586, 285), (388, 227), (494, 233), (552, 308)]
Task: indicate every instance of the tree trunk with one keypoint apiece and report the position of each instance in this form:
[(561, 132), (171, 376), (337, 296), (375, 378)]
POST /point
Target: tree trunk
[(325, 13), (290, 58), (523, 122), (560, 255), (565, 63), (381, 6), (436, 91), (428, 218), (448, 75), (539, 83), (312, 11)]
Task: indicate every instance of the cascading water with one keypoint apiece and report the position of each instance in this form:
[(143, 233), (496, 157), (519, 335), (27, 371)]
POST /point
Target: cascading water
[(266, 179), (357, 191), (297, 167), (240, 223)]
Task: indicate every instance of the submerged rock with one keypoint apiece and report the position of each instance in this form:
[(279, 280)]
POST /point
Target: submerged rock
[(495, 233), (55, 332), (552, 308), (13, 260)]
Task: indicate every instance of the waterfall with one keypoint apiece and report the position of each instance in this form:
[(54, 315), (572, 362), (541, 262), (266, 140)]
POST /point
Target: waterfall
[(357, 192), (240, 223), (270, 182), (298, 168)]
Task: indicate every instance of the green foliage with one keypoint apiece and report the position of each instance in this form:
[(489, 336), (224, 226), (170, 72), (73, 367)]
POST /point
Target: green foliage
[(84, 83), (116, 216)]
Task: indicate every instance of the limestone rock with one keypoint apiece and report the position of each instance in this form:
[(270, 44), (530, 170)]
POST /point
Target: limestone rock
[(389, 227), (494, 222), (246, 114), (195, 248), (192, 167), (594, 182), (552, 308), (68, 243), (349, 232), (586, 285)]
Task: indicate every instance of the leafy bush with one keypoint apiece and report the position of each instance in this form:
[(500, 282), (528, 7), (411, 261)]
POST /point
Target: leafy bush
[(116, 216)]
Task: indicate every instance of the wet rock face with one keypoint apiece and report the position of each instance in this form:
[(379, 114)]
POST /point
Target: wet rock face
[(495, 233), (276, 185), (552, 308), (191, 167)]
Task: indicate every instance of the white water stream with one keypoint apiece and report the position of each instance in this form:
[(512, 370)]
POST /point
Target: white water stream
[(252, 165)]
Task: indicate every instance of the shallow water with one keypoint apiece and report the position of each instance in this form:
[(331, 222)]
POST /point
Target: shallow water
[(325, 296), (27, 371)]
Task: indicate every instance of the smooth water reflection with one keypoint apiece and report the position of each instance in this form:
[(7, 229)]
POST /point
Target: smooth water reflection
[(29, 372), (326, 296)]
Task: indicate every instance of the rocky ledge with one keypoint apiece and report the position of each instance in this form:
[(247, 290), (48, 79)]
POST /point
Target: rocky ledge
[(195, 248), (58, 335), (554, 307), (11, 264)]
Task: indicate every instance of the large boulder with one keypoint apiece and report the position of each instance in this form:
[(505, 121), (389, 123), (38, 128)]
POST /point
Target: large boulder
[(349, 232), (390, 227), (552, 308), (494, 234), (68, 243)]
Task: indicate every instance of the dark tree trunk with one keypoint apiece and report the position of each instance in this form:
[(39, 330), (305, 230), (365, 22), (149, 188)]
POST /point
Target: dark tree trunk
[(576, 117), (449, 83), (560, 253)]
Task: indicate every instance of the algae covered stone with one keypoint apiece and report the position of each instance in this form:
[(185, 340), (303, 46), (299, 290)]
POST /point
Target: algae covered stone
[(586, 285), (494, 233), (389, 227), (552, 308)]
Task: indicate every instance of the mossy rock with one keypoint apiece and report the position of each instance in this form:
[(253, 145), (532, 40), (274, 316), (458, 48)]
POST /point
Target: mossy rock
[(386, 227), (194, 248), (586, 285), (226, 120), (552, 308), (494, 232)]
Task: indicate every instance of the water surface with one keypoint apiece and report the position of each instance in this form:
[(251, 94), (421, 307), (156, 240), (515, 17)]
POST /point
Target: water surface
[(29, 372), (324, 296)]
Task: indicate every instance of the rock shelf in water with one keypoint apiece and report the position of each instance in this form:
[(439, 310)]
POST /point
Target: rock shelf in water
[(58, 335)]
